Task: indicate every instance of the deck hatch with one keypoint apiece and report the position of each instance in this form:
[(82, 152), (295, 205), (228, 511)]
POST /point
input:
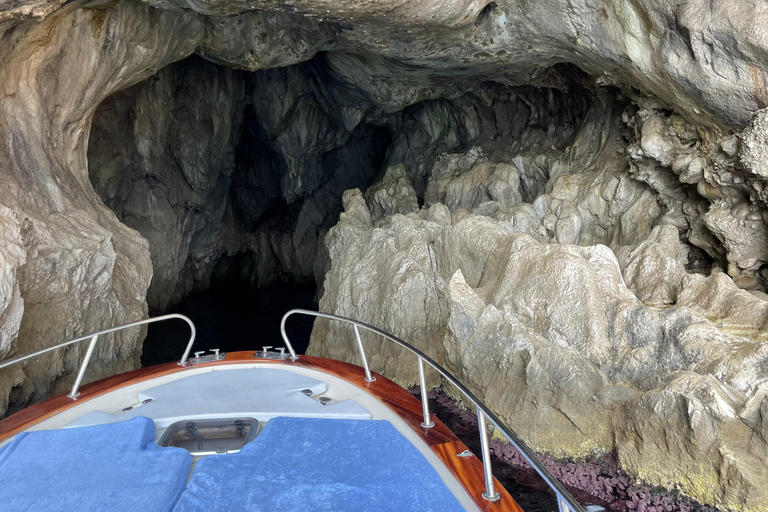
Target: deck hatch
[(209, 436)]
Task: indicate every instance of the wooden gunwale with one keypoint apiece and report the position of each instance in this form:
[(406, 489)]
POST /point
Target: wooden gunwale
[(467, 470)]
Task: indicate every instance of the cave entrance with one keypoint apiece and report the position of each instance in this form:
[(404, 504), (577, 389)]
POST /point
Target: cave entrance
[(234, 178)]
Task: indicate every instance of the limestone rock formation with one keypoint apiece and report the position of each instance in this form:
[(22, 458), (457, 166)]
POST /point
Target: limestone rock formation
[(753, 152), (394, 193), (76, 266), (550, 336), (611, 344), (654, 271), (466, 181)]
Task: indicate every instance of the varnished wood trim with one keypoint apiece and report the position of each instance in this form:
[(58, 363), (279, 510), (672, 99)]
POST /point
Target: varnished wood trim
[(467, 470)]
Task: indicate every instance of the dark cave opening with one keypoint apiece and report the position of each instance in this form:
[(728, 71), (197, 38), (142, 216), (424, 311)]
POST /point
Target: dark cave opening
[(233, 315), (235, 177), (196, 159)]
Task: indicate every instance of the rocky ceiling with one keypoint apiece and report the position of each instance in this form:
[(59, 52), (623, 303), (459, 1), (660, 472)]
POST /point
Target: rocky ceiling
[(562, 201)]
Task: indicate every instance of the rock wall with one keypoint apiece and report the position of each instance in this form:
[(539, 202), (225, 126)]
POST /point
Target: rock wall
[(161, 156), (166, 156), (579, 309), (69, 265)]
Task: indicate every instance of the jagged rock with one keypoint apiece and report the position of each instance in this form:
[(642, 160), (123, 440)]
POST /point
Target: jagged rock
[(439, 214), (161, 156), (718, 217), (456, 185), (549, 335), (708, 62), (296, 125), (510, 125), (83, 269), (745, 240), (392, 194), (263, 40), (720, 300), (13, 256), (653, 270), (720, 471), (754, 145)]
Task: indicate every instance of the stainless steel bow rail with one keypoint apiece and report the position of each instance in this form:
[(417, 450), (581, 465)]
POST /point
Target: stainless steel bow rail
[(94, 336), (565, 501)]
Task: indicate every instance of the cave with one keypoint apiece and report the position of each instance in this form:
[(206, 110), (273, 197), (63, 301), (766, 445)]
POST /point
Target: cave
[(564, 206), (235, 177)]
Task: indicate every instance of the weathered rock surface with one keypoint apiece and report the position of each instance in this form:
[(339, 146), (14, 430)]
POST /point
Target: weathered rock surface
[(654, 271), (467, 181), (550, 336), (394, 193), (611, 347), (70, 263), (703, 59), (161, 156)]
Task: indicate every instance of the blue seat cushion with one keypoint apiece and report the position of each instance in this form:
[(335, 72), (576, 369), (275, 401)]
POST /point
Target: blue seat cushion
[(113, 467), (312, 464)]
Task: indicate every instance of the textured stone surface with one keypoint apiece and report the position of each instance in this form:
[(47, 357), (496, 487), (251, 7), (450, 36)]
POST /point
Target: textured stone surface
[(466, 181), (393, 193), (754, 145), (13, 256), (611, 347), (77, 268), (161, 156), (654, 270), (704, 59), (551, 337)]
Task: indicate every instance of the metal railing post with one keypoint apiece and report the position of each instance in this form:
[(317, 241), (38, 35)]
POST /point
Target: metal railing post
[(427, 423), (192, 335), (81, 371), (562, 504), (368, 376), (288, 343), (490, 493)]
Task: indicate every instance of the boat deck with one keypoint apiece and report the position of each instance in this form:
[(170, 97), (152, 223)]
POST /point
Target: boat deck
[(245, 385)]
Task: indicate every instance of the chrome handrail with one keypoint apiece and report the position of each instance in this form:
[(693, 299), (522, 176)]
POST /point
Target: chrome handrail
[(94, 336), (565, 501)]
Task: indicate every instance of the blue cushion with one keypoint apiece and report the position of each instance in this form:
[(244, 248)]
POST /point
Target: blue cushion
[(311, 464), (111, 467)]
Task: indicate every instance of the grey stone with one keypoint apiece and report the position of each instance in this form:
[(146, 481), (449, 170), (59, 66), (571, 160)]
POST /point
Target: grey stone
[(457, 186), (539, 329), (653, 270), (394, 193), (82, 269), (754, 145), (167, 174)]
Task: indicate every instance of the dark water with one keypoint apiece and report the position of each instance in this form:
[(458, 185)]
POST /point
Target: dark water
[(525, 486), (233, 316)]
